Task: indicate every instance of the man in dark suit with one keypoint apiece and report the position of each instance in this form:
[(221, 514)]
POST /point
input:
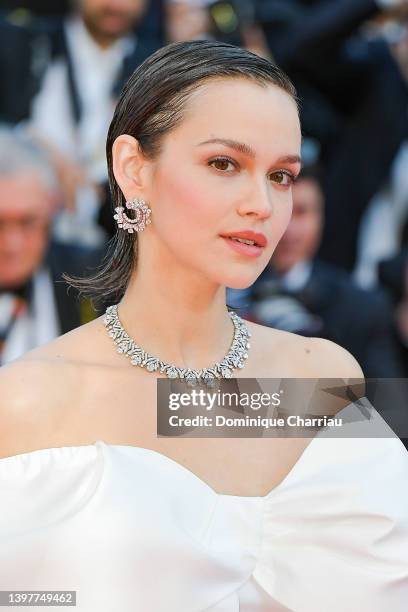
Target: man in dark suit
[(29, 45), (300, 293), (75, 68), (35, 303), (353, 101), (17, 84)]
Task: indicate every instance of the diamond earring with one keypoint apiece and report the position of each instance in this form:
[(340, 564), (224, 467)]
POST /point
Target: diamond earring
[(142, 216)]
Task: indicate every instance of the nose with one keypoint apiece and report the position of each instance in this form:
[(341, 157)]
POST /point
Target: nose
[(258, 201)]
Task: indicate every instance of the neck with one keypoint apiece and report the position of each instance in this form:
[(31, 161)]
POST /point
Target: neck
[(181, 321)]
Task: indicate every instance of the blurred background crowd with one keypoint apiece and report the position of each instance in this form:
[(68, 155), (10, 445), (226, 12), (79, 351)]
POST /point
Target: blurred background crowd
[(341, 269)]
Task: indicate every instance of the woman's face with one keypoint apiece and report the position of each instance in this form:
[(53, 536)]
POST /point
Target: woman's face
[(201, 190)]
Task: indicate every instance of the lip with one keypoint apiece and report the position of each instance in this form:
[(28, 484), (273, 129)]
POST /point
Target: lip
[(246, 249), (243, 249), (258, 238)]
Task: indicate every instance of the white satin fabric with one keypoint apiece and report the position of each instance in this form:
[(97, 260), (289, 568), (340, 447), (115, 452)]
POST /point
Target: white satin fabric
[(131, 530)]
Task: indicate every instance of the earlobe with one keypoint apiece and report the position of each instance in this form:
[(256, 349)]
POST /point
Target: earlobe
[(128, 163)]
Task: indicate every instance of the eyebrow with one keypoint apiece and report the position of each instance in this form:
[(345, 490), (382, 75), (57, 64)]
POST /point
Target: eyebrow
[(248, 151)]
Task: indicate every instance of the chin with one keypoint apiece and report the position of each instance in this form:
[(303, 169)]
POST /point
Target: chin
[(240, 283), (115, 28), (284, 266), (15, 280)]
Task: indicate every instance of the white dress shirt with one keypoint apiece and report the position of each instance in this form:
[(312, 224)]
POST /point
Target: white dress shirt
[(297, 277), (38, 325), (380, 229), (95, 73)]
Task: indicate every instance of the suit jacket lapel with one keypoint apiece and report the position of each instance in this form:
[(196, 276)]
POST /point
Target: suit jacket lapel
[(67, 302)]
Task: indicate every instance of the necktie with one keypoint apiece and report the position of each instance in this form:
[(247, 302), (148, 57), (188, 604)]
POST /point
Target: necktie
[(14, 303)]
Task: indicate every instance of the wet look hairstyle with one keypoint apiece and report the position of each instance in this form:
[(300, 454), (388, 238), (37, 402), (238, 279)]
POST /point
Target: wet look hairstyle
[(151, 105)]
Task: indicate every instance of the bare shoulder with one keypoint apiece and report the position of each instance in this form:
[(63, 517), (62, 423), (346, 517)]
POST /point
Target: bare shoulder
[(304, 356), (284, 354), (332, 360), (38, 389)]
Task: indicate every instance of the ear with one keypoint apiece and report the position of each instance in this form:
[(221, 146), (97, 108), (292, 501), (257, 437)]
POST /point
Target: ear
[(130, 167)]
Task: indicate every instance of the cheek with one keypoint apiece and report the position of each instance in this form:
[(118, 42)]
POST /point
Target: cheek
[(183, 202), (33, 252), (39, 243), (312, 230)]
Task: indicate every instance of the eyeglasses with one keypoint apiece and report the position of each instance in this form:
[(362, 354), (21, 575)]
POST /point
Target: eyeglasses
[(25, 225)]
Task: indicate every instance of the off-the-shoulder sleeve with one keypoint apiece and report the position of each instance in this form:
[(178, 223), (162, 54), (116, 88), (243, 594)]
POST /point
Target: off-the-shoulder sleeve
[(45, 486), (336, 533)]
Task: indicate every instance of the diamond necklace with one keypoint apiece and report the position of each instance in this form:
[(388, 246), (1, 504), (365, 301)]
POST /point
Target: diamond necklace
[(235, 357)]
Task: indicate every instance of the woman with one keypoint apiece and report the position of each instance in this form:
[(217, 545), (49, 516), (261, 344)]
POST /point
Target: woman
[(204, 144)]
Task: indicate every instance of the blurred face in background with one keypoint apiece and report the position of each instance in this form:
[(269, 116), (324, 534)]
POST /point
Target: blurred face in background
[(302, 237), (108, 20), (186, 20), (25, 213)]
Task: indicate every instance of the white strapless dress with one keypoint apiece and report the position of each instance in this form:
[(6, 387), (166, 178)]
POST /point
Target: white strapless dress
[(131, 530)]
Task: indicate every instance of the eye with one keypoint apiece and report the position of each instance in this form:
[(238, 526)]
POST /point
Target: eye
[(284, 178), (222, 163)]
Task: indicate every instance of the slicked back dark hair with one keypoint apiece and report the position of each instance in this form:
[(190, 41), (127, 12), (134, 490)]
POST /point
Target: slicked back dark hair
[(151, 105)]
